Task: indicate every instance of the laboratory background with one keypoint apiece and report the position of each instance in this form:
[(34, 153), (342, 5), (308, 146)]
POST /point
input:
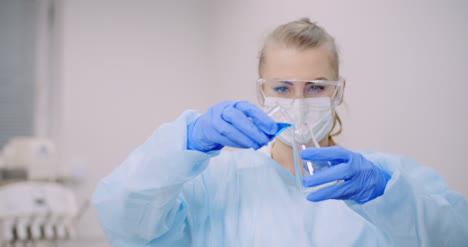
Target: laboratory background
[(84, 82)]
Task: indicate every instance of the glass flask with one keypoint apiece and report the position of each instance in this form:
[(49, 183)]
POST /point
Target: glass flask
[(303, 139)]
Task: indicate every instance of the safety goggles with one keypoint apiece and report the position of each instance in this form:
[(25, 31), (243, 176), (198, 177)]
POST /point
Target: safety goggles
[(300, 88)]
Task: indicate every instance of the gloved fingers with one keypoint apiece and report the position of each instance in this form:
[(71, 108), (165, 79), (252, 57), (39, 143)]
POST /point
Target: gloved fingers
[(228, 135), (260, 118), (244, 125), (340, 191), (339, 172), (335, 154), (227, 142)]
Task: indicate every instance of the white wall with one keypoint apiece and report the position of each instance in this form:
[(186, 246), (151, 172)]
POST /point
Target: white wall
[(131, 65), (128, 66)]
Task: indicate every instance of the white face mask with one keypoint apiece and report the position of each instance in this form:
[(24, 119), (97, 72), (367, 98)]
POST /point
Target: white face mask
[(310, 116)]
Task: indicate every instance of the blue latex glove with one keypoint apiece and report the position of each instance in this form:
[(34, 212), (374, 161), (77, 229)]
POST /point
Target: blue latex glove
[(235, 124), (363, 181)]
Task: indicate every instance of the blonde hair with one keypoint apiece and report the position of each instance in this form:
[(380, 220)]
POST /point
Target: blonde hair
[(304, 34)]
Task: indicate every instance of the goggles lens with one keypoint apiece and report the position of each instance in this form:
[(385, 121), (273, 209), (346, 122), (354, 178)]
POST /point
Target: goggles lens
[(288, 89), (296, 88)]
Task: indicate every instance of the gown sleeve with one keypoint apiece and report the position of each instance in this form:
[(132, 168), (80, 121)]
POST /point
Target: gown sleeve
[(141, 202), (416, 209)]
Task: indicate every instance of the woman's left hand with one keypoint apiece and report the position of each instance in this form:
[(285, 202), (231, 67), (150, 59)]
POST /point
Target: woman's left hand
[(363, 181)]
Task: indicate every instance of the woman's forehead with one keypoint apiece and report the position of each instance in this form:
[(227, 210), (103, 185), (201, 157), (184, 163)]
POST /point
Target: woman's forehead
[(283, 62)]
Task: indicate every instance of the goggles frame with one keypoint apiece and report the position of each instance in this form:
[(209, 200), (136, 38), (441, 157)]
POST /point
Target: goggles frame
[(335, 99)]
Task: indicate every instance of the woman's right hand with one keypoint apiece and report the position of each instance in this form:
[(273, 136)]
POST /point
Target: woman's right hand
[(236, 124)]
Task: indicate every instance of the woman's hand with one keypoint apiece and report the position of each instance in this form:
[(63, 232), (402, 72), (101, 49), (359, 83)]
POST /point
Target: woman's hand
[(363, 181), (235, 124)]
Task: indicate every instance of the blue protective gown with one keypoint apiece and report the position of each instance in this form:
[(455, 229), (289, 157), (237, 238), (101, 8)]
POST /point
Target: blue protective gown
[(165, 195)]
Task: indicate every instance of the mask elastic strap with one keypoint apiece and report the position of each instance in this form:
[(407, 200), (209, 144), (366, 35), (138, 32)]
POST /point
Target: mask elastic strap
[(321, 119), (314, 139)]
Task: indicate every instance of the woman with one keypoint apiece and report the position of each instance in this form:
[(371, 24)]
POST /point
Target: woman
[(180, 189)]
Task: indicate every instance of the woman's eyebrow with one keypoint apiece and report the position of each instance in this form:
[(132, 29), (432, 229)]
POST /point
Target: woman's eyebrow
[(321, 78), (287, 82), (317, 79)]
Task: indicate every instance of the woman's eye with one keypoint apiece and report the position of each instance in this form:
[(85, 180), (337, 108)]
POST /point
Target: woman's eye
[(280, 89), (316, 88)]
